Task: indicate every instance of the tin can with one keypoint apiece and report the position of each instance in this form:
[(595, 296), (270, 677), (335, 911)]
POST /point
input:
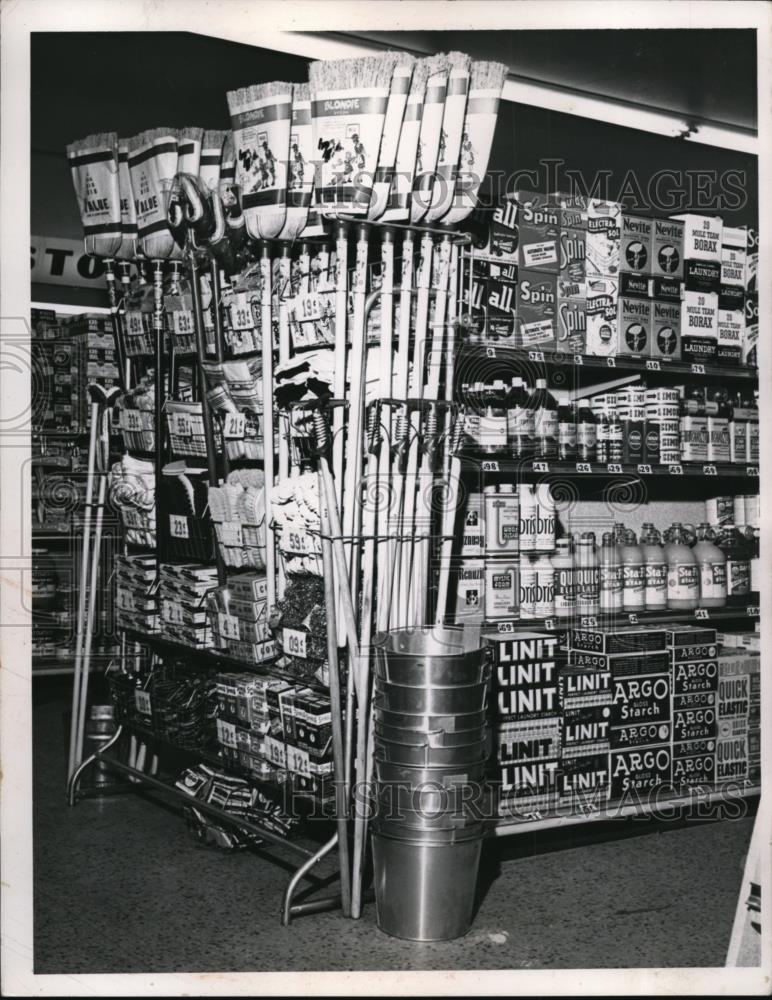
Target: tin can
[(502, 520), (502, 588), (527, 588)]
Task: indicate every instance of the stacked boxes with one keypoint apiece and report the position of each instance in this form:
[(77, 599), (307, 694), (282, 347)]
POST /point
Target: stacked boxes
[(634, 315), (243, 719), (136, 599), (300, 740), (469, 574), (182, 592), (738, 708), (238, 618), (694, 666), (527, 720), (585, 701), (702, 281)]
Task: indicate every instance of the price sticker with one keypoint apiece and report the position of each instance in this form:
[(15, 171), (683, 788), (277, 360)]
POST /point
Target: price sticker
[(235, 425), (298, 761), (709, 470), (611, 362), (307, 307), (134, 325), (589, 622), (536, 355), (550, 624), (490, 352), (182, 322), (644, 470), (632, 618), (228, 625), (579, 360), (178, 526), (504, 628), (541, 467), (298, 541), (241, 312), (231, 533), (132, 517), (181, 424), (124, 599), (142, 702), (130, 420), (752, 611), (490, 466), (583, 467), (294, 643), (675, 470), (752, 470), (698, 369), (614, 467), (226, 733), (653, 366), (172, 612), (702, 614)]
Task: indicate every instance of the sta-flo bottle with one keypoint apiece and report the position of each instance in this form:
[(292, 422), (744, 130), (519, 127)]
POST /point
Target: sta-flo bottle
[(611, 580), (655, 569), (712, 562), (633, 574), (683, 572)]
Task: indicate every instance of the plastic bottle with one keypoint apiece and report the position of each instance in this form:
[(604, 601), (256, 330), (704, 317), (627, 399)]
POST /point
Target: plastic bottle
[(633, 574), (563, 566), (519, 420), (738, 565), (712, 562), (683, 572), (738, 431), (586, 432), (587, 576), (544, 606), (545, 519), (655, 569), (566, 429), (545, 429), (752, 452), (610, 573), (527, 587), (493, 421)]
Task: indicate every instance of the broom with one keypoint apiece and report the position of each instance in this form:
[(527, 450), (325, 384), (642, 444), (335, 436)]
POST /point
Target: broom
[(430, 136), (452, 127)]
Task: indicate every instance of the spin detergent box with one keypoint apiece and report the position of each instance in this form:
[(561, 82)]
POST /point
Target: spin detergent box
[(536, 309), (538, 221)]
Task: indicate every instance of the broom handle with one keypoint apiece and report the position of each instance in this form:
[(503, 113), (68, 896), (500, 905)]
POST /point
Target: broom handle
[(446, 551), (386, 362), (268, 438), (416, 391), (400, 392), (284, 355), (339, 388)]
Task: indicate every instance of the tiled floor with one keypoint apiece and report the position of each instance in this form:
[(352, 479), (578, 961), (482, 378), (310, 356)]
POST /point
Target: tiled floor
[(121, 887)]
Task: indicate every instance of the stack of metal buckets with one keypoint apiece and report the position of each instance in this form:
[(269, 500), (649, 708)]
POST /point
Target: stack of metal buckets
[(430, 747)]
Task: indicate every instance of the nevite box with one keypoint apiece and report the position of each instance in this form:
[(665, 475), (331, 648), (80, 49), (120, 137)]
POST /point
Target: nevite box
[(665, 340), (636, 243), (667, 249)]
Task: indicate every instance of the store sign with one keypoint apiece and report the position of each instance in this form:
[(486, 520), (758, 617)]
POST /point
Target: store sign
[(64, 262)]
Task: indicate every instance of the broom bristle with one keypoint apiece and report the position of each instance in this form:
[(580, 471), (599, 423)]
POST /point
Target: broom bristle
[(150, 136), (436, 64), (238, 100), (488, 75), (98, 140), (190, 133), (420, 74), (349, 74), (459, 60), (301, 92), (214, 138)]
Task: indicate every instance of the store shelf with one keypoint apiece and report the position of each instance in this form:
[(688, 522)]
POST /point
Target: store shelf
[(617, 811), (700, 616), (650, 366), (721, 472)]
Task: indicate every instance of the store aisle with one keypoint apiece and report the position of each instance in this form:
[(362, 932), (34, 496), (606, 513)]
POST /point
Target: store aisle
[(120, 887)]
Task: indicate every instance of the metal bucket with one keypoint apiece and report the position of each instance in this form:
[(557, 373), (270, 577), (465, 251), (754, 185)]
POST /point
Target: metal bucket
[(424, 889), (422, 723), (430, 700), (432, 738), (396, 818), (426, 755), (415, 776), (99, 729), (431, 799), (431, 656)]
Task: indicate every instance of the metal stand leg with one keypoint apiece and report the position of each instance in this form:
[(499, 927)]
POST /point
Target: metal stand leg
[(74, 780), (286, 914)]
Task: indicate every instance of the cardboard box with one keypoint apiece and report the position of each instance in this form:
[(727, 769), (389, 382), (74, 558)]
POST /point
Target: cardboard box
[(625, 639), (584, 729), (525, 676), (667, 289), (572, 266), (573, 209), (469, 576), (537, 739), (538, 221), (686, 639), (584, 781), (572, 325), (634, 326), (667, 249), (502, 234), (604, 219), (702, 276), (501, 302), (751, 259), (699, 326), (750, 341), (732, 759), (695, 676), (473, 536), (642, 734), (601, 309), (536, 309), (733, 262), (694, 764), (694, 724), (640, 700), (631, 664), (731, 334), (636, 243), (533, 784), (637, 773), (665, 340), (702, 236), (582, 686)]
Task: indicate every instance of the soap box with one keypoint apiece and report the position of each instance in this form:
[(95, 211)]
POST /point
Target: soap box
[(699, 326), (582, 686), (665, 340), (636, 243), (634, 326), (537, 739), (572, 269), (667, 249), (501, 302), (733, 262), (536, 309), (604, 220), (636, 773), (731, 333), (584, 728), (602, 301), (584, 781), (538, 221), (572, 324)]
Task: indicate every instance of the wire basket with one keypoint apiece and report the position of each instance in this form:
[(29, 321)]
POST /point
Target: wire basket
[(139, 525), (137, 428), (241, 545), (186, 429)]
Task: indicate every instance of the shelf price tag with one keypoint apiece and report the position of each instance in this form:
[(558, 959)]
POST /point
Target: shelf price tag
[(134, 325), (294, 643), (182, 322), (675, 469), (536, 355), (702, 614), (709, 470), (504, 628), (130, 420), (614, 467), (124, 599), (307, 307), (298, 761), (235, 425), (241, 312), (228, 625), (611, 362), (132, 517), (698, 369), (490, 352), (181, 425), (752, 470), (632, 618), (226, 733), (142, 702), (653, 366), (490, 466), (583, 467), (178, 526), (752, 611), (579, 360), (550, 624), (298, 542), (644, 470), (589, 622), (541, 466), (172, 612)]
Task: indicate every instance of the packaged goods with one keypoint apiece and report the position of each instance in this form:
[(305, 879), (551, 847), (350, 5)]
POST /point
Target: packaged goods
[(667, 249), (536, 739), (630, 664), (693, 431), (601, 309), (751, 259), (719, 412), (527, 596), (720, 510), (566, 428), (636, 243), (525, 675), (694, 764), (702, 251), (544, 595), (665, 341), (699, 326), (694, 724), (702, 276), (538, 218), (637, 773), (520, 420), (545, 424), (473, 538), (584, 780), (582, 686), (683, 571), (633, 574), (502, 520), (572, 271), (611, 576), (586, 432), (502, 234), (502, 588), (640, 700), (751, 337), (492, 420), (641, 734), (730, 327), (564, 587), (532, 784), (572, 323), (587, 576), (501, 302), (573, 209), (469, 607), (584, 729), (667, 289), (603, 238), (536, 309), (633, 323), (733, 262), (625, 639)]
